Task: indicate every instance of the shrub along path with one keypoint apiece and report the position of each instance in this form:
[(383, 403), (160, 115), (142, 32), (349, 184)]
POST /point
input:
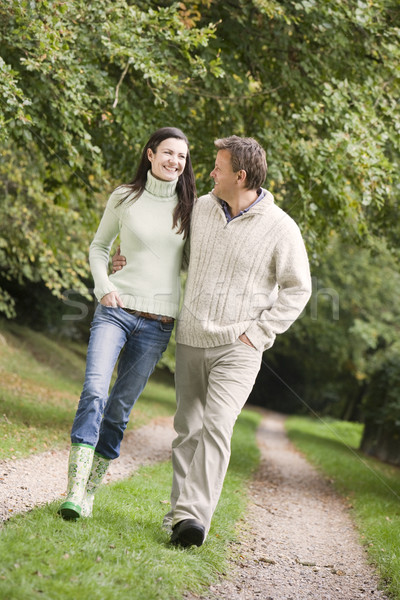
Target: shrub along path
[(297, 541)]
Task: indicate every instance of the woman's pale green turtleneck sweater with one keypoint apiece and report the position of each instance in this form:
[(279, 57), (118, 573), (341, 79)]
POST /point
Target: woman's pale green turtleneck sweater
[(153, 250)]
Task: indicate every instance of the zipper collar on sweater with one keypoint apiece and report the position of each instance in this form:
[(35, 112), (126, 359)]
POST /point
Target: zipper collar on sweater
[(259, 208), (163, 190)]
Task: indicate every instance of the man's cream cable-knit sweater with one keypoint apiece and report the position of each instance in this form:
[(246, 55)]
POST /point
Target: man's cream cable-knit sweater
[(250, 275)]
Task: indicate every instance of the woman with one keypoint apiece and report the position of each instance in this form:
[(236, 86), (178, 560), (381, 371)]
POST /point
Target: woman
[(137, 306)]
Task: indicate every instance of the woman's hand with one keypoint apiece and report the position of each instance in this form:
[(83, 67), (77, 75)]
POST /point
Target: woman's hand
[(112, 299), (118, 261)]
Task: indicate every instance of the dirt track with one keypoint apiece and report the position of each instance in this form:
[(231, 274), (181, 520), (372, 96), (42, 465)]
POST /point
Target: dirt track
[(298, 541)]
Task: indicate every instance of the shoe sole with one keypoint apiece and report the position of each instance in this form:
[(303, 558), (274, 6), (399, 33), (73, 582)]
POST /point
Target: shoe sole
[(69, 511)]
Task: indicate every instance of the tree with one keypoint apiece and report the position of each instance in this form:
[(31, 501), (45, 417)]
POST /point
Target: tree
[(81, 86), (317, 84), (84, 84)]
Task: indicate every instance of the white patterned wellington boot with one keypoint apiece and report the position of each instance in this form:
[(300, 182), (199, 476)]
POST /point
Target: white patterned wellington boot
[(79, 466), (99, 469)]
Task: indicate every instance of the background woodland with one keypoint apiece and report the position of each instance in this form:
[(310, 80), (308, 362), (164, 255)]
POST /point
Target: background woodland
[(83, 85)]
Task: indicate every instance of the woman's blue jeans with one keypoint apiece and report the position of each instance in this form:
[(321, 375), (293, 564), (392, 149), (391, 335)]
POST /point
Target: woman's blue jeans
[(101, 418)]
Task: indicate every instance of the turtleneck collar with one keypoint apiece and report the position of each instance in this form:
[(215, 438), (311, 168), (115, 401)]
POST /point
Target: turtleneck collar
[(164, 190)]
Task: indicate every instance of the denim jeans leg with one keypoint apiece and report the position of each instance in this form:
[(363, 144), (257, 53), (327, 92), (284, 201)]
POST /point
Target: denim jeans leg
[(141, 353), (107, 337)]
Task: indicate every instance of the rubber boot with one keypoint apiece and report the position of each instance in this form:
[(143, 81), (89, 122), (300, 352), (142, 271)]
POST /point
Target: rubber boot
[(99, 469), (79, 466)]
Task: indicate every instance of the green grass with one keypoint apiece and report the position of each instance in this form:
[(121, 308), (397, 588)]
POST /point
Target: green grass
[(122, 552), (41, 381), (371, 488)]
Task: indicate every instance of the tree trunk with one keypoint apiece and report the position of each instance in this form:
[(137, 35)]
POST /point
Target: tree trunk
[(382, 442), (352, 408)]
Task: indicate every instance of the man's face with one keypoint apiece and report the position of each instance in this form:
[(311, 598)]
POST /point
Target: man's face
[(225, 180)]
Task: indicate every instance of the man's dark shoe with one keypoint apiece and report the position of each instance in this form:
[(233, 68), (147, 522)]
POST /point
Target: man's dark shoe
[(188, 532)]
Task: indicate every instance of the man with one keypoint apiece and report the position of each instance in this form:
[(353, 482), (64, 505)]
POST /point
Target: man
[(248, 280)]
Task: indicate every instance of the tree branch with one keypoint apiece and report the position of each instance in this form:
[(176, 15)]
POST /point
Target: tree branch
[(124, 72)]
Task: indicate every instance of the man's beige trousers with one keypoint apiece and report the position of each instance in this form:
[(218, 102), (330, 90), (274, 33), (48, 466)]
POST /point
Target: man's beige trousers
[(212, 386)]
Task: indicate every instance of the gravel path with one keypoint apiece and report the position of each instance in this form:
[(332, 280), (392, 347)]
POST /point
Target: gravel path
[(297, 541)]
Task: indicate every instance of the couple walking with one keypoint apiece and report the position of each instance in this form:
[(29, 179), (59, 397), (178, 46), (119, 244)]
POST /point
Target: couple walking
[(248, 280)]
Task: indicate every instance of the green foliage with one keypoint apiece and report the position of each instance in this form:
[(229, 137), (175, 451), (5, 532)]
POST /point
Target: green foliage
[(317, 84), (372, 489), (78, 82), (328, 360), (84, 84)]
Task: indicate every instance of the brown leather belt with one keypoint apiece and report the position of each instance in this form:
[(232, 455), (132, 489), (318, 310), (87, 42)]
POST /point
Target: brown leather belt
[(146, 315)]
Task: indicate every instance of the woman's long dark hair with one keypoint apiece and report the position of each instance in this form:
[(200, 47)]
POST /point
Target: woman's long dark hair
[(185, 188)]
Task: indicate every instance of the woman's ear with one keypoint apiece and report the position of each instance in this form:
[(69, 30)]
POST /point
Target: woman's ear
[(150, 154)]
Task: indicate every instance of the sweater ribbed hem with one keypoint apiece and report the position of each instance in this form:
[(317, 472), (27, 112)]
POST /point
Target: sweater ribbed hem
[(211, 338)]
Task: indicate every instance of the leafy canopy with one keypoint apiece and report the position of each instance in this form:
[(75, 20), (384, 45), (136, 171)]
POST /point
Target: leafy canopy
[(84, 84)]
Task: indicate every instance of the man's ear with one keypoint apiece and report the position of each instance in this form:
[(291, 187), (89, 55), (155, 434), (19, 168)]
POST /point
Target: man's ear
[(241, 176)]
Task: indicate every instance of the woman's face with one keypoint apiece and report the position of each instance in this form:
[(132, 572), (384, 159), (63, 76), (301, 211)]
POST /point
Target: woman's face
[(169, 159)]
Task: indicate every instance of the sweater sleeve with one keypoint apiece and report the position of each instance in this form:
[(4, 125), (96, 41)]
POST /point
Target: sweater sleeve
[(294, 290), (99, 252)]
